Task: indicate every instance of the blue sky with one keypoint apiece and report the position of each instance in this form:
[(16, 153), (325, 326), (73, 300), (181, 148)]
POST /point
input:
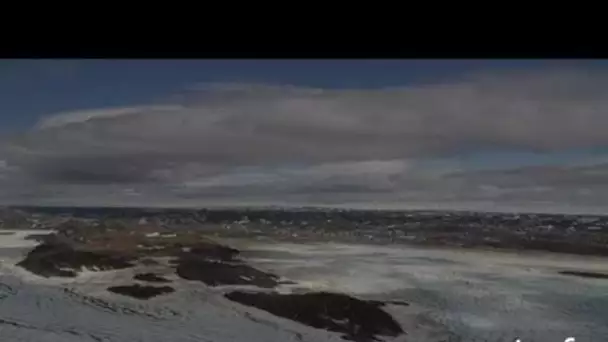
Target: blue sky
[(31, 89), (485, 134)]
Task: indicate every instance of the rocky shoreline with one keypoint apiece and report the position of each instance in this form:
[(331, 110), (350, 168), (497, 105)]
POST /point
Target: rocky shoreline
[(585, 274), (141, 291), (62, 260), (195, 258), (356, 319), (151, 278)]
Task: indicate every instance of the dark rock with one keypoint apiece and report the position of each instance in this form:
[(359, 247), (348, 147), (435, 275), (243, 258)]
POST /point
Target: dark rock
[(357, 319), (171, 247), (151, 277), (215, 273), (584, 274), (61, 260), (391, 302), (212, 251), (141, 292)]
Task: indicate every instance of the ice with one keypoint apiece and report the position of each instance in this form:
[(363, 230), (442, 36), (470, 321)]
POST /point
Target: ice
[(464, 295), (477, 295)]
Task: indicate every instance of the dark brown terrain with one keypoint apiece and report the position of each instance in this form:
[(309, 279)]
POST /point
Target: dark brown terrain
[(583, 274), (357, 319), (62, 260), (151, 278), (575, 234), (141, 292), (214, 273)]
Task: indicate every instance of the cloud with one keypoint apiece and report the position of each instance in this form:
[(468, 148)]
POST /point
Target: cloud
[(288, 144), (77, 117)]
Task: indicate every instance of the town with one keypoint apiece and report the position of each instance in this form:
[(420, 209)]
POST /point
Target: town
[(576, 234)]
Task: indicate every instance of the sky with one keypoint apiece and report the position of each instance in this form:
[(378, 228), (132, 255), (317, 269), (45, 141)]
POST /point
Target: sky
[(491, 135)]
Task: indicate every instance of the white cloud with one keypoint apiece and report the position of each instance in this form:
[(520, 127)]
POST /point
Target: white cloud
[(286, 143), (80, 117)]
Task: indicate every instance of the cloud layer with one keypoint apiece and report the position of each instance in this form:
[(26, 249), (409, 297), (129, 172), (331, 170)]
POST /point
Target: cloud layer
[(248, 144)]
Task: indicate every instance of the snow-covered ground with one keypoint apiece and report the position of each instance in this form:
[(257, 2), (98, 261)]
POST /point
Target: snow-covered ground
[(10, 238), (454, 295), (478, 295)]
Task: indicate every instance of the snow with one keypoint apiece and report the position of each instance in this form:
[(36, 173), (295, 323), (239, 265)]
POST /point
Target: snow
[(479, 295), (484, 296), (17, 238)]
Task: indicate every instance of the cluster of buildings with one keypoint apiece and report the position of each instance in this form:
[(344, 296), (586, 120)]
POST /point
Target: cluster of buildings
[(426, 227)]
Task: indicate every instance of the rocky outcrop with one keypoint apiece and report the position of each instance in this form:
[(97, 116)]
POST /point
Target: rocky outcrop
[(358, 320), (61, 260), (140, 291), (198, 259), (215, 265), (215, 273), (585, 274), (212, 251), (151, 277)]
